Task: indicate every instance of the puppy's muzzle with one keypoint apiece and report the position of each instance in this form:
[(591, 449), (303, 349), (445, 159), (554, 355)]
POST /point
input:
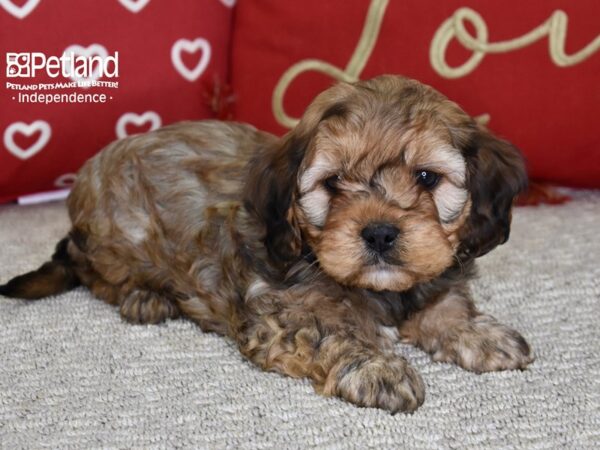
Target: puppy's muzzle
[(380, 237)]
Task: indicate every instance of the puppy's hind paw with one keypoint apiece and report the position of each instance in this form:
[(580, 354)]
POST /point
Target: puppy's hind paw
[(386, 382), (142, 306)]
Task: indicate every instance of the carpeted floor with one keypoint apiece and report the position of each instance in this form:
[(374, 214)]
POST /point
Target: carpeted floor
[(73, 375)]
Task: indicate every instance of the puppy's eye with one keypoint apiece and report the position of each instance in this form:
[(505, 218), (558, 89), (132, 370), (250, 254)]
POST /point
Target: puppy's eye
[(427, 178), (332, 183)]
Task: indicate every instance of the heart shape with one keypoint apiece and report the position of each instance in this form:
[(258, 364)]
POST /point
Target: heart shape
[(137, 120), (229, 3), (92, 50), (65, 181), (134, 6), (21, 127), (191, 47), (20, 12)]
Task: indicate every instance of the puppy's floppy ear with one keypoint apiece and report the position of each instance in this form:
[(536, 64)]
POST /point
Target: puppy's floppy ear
[(274, 175), (270, 191), (496, 175)]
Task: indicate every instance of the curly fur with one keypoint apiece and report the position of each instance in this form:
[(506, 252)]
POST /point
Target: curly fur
[(259, 238)]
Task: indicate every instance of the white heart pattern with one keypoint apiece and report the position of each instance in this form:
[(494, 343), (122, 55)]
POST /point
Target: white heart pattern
[(229, 3), (27, 130), (20, 12), (92, 50), (191, 47), (65, 181), (135, 6), (138, 120)]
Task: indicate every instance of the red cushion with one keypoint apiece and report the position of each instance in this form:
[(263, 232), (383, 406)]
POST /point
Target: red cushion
[(169, 54), (550, 112)]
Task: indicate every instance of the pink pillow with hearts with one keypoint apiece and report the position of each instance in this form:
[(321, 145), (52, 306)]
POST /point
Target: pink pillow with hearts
[(75, 79)]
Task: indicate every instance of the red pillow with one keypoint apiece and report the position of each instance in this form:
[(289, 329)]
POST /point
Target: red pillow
[(546, 103), (169, 53)]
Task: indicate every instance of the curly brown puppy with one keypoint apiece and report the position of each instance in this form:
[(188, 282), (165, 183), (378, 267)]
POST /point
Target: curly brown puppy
[(316, 252)]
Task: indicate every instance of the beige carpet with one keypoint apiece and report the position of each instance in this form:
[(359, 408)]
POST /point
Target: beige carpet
[(73, 375)]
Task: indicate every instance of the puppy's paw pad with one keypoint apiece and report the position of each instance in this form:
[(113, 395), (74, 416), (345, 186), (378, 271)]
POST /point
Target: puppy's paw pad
[(486, 345), (381, 382)]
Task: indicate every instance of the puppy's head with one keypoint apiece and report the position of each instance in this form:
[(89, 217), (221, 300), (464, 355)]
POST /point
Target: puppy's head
[(388, 183)]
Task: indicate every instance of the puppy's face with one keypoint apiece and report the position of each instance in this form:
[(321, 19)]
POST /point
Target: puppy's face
[(394, 183)]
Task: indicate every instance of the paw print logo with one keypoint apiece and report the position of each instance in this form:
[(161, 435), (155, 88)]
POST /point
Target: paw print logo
[(17, 65)]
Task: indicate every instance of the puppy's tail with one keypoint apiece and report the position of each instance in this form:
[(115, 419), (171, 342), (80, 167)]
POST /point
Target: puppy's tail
[(54, 277)]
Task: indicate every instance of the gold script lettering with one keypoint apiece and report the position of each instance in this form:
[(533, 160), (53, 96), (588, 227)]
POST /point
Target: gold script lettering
[(351, 73), (555, 28), (454, 27)]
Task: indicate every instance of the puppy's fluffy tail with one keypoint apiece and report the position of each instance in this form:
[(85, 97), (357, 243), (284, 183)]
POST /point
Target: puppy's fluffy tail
[(53, 277)]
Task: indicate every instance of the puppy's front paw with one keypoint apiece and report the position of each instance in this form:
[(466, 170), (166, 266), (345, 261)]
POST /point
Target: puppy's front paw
[(381, 382), (482, 345)]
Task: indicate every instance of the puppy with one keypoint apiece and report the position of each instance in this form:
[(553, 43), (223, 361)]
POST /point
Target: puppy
[(316, 252)]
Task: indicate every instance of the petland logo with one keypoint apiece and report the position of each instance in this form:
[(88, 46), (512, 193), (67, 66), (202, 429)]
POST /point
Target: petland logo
[(69, 65), (77, 68)]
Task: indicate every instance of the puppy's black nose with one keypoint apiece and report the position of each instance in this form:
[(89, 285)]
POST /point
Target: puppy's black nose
[(380, 236)]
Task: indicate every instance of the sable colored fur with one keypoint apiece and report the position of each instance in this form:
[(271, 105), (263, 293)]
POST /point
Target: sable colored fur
[(314, 252)]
